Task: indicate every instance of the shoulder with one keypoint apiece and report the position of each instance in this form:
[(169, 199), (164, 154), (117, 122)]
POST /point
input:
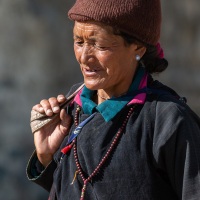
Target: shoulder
[(170, 116), (168, 101)]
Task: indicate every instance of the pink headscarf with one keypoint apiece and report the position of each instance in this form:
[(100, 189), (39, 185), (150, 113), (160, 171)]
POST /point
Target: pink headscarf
[(160, 51)]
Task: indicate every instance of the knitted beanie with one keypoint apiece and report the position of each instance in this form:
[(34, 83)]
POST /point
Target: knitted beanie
[(138, 18)]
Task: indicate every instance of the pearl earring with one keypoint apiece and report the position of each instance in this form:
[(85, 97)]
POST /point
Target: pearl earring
[(137, 57)]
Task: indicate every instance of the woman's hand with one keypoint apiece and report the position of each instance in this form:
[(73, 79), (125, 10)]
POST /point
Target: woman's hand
[(48, 139)]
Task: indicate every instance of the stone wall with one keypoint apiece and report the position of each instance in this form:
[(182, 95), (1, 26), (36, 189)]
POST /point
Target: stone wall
[(37, 61)]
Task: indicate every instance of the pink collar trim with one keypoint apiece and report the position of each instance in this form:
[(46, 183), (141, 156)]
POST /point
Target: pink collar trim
[(140, 98), (77, 98)]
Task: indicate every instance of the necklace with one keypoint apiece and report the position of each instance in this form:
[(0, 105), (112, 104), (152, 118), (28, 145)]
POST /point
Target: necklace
[(102, 97), (112, 146), (106, 98)]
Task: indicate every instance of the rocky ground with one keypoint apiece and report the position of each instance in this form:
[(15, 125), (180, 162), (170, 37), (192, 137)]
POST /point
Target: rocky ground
[(37, 61)]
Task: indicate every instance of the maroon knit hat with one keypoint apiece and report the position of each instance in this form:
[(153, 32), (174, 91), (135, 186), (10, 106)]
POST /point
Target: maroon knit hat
[(138, 18)]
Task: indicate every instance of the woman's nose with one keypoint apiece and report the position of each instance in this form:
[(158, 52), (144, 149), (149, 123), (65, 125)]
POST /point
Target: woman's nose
[(86, 54)]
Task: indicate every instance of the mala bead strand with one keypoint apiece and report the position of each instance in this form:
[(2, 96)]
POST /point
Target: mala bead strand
[(76, 115), (104, 159), (77, 163)]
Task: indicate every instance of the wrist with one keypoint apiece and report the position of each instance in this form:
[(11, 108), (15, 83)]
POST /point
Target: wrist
[(44, 159)]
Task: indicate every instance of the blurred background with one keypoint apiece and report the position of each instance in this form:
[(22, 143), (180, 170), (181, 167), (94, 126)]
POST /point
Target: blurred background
[(37, 61)]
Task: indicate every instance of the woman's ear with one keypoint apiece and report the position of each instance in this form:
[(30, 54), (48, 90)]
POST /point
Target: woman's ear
[(140, 50)]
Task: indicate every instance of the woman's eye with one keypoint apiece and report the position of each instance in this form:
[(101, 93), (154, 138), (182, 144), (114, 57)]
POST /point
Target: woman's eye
[(79, 43), (100, 47)]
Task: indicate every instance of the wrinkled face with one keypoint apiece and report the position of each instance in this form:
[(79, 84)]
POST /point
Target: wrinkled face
[(105, 61)]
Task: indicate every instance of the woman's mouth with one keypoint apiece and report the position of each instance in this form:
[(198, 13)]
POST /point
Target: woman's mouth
[(90, 72)]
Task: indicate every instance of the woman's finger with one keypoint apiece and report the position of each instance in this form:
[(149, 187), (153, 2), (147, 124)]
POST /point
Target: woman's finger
[(54, 104), (47, 107), (38, 108), (61, 98), (50, 106)]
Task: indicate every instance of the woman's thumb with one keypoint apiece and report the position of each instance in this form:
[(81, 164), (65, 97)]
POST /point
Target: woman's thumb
[(65, 122)]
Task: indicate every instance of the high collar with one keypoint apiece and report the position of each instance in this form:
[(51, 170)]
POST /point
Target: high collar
[(112, 106)]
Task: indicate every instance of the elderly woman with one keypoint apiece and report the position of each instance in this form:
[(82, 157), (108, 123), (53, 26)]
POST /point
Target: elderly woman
[(124, 136)]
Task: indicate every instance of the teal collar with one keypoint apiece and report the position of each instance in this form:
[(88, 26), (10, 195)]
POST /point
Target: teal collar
[(110, 107)]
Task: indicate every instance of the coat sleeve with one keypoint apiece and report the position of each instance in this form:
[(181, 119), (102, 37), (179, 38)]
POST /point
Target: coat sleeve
[(40, 175), (35, 170), (176, 147)]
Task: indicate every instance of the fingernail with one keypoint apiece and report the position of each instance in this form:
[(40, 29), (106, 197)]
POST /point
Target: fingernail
[(41, 109), (49, 111), (61, 97), (55, 109)]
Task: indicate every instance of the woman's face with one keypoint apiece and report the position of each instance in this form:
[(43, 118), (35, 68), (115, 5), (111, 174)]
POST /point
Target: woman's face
[(105, 61)]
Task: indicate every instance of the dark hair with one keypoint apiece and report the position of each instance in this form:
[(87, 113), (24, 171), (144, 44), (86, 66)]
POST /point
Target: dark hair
[(151, 60)]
